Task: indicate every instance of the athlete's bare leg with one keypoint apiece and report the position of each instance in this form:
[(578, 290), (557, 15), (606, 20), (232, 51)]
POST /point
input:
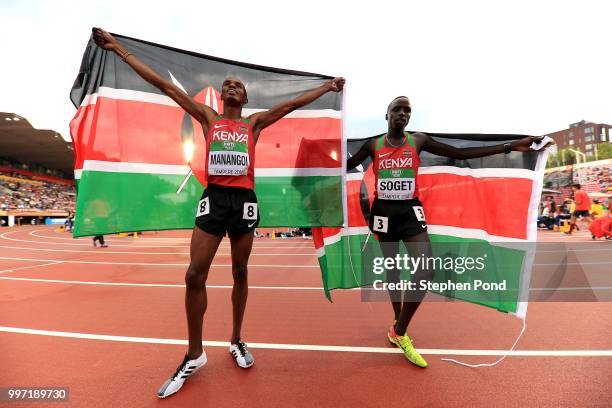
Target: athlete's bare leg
[(390, 249), (203, 249), (586, 222), (241, 250), (417, 246)]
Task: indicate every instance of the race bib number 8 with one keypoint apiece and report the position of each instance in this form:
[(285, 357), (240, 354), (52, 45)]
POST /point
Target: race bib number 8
[(250, 211), (203, 207), (381, 224)]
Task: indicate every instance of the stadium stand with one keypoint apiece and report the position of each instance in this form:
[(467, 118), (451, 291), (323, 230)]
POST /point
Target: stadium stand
[(36, 175), (595, 178)]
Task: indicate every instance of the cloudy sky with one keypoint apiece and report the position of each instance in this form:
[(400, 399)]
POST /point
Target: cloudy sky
[(518, 66)]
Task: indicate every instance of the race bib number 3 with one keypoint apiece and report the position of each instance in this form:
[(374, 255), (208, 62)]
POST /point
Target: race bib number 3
[(250, 211), (418, 211), (203, 207), (395, 188), (381, 224)]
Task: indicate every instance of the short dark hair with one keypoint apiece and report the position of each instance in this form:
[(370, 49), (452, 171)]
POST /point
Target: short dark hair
[(395, 99), (577, 185)]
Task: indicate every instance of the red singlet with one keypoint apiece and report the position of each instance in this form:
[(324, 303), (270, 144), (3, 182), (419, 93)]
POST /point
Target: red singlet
[(396, 169), (230, 161)]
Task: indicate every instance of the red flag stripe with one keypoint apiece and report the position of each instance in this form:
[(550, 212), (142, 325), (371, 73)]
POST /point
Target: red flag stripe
[(497, 205), (122, 130)]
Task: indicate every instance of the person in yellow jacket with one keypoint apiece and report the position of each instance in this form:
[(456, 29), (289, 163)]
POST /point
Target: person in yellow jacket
[(571, 204), (596, 209)]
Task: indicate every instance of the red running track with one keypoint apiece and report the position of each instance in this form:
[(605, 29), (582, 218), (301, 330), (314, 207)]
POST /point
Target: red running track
[(73, 295)]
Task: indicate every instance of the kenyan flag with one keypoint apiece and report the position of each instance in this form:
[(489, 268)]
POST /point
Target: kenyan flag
[(478, 207), (134, 147)]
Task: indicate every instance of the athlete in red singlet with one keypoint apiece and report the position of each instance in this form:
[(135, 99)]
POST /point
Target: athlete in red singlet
[(397, 214), (228, 204)]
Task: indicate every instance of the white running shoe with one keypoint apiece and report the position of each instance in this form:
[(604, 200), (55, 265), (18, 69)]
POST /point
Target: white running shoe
[(243, 357), (184, 371)]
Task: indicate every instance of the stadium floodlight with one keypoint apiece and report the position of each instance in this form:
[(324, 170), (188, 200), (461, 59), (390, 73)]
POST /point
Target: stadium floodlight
[(578, 154)]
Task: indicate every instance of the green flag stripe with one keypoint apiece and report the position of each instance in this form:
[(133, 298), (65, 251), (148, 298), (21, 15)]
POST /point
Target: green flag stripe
[(220, 146), (403, 173), (125, 202), (340, 271), (410, 139)]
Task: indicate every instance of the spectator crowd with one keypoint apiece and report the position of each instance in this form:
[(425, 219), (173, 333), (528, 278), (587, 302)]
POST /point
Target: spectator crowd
[(21, 192), (577, 211)]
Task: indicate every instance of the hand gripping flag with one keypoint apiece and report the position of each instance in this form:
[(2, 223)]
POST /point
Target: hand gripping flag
[(135, 148), (478, 207)]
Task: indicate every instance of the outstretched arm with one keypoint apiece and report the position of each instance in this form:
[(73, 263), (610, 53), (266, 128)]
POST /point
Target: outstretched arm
[(200, 112), (442, 149), (262, 120), (360, 156)]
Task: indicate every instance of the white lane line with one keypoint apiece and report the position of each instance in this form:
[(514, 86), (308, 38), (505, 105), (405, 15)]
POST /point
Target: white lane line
[(154, 264), (538, 251), (280, 241), (297, 239), (587, 238), (106, 251), (283, 241), (176, 285), (29, 267), (314, 347), (250, 265), (154, 285), (571, 288), (572, 263), (136, 243)]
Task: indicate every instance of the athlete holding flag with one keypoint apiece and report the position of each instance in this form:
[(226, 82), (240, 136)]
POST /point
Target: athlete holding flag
[(227, 205), (397, 214)]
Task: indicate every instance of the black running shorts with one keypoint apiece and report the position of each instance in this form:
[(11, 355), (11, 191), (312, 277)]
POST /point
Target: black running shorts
[(393, 220), (227, 210), (581, 213)]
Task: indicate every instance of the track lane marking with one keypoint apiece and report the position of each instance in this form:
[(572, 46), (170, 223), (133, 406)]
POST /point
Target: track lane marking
[(177, 285), (250, 264), (135, 243), (160, 285), (106, 251), (314, 347), (29, 267), (154, 264)]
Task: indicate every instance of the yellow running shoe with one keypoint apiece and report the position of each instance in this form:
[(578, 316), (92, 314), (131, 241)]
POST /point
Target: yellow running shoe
[(405, 344)]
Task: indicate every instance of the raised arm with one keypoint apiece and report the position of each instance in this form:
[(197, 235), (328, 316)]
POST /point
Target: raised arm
[(442, 149), (200, 112), (362, 154), (262, 120)]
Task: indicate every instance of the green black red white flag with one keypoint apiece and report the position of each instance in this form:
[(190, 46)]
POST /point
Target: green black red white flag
[(134, 147), (482, 207)]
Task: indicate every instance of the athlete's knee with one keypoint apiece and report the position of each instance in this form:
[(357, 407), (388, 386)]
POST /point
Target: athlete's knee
[(194, 278), (240, 272), (426, 274)]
